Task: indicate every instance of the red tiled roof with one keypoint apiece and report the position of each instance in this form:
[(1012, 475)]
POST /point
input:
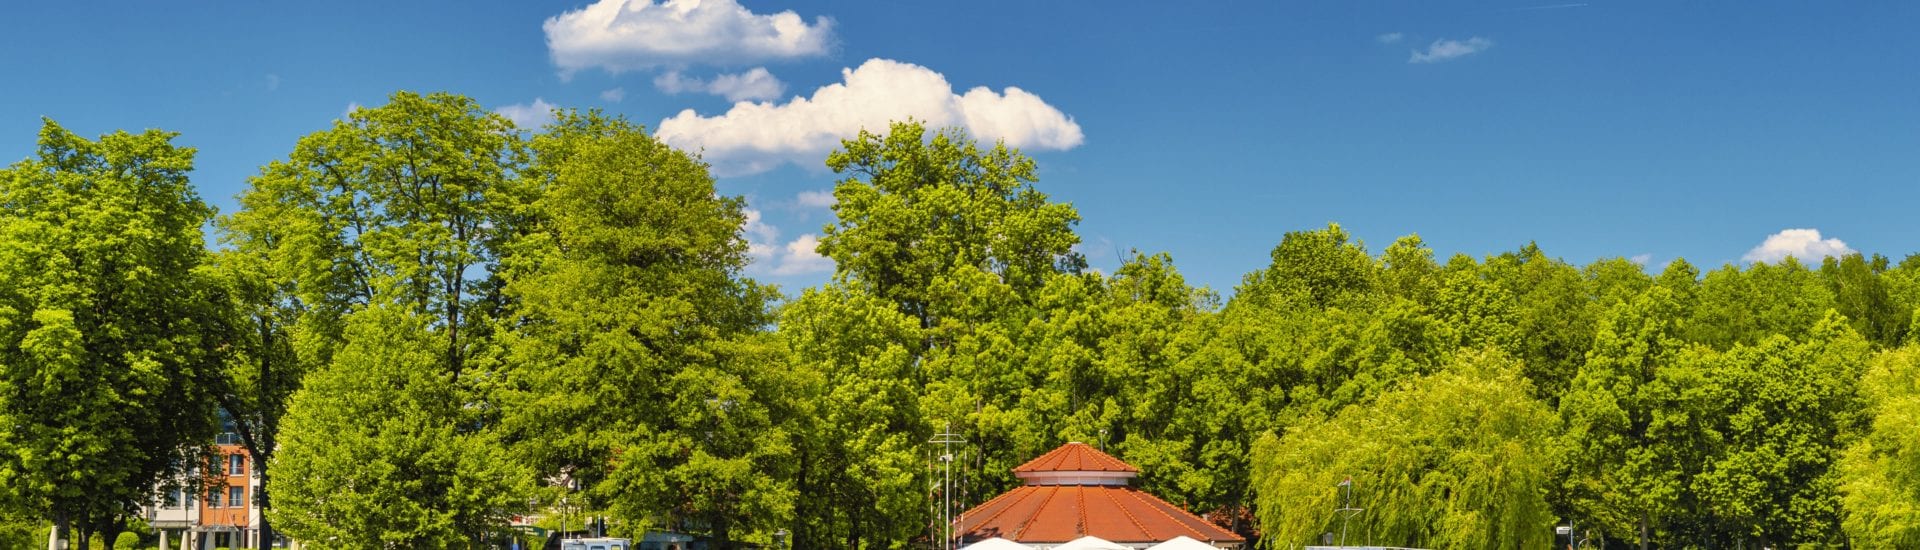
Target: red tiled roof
[(1060, 513), (1075, 457)]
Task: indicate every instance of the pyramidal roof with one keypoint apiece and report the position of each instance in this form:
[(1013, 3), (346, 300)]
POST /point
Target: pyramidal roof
[(1075, 457), (1077, 491)]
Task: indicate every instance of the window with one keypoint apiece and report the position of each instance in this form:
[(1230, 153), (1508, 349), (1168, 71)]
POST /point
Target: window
[(236, 465), (172, 500), (236, 497), (213, 498)]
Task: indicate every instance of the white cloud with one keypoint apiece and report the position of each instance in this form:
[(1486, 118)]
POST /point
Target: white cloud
[(613, 95), (528, 116), (760, 238), (815, 199), (626, 35), (273, 82), (1641, 259), (755, 137), (1803, 244), (1389, 38), (1443, 50), (803, 258), (756, 84), (351, 107), (766, 255)]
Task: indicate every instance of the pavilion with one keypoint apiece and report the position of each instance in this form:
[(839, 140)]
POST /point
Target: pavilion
[(1076, 491)]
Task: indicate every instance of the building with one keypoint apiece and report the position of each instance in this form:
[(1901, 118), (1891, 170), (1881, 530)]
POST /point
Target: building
[(1077, 491), (226, 516)]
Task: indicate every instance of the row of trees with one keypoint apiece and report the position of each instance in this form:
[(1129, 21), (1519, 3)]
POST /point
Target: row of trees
[(425, 321)]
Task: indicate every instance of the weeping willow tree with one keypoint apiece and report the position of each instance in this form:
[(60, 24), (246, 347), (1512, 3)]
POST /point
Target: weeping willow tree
[(1455, 459)]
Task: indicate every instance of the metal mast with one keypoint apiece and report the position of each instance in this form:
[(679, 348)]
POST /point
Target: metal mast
[(1346, 508), (946, 439)]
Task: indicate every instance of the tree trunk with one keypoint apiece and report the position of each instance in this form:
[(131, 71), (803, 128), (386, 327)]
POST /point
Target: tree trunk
[(111, 532), (1643, 531), (265, 541)]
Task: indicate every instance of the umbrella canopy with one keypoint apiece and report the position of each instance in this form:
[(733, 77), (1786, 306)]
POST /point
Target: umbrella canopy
[(1089, 542), (1182, 543), (996, 543)]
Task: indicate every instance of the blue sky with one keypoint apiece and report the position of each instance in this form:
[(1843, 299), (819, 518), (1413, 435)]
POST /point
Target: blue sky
[(1650, 130)]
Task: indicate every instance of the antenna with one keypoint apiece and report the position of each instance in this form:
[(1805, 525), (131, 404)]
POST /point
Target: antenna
[(1346, 509), (946, 439)]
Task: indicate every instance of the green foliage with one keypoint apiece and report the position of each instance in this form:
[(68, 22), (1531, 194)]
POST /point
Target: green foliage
[(18, 531), (404, 210), (1322, 269), (1455, 459), (1864, 297), (382, 449), (1737, 306), (425, 319), (862, 466), (1880, 485), (914, 207), (104, 336), (637, 360), (126, 540)]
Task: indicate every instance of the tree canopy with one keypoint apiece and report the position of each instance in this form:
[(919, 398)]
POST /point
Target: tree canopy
[(429, 325)]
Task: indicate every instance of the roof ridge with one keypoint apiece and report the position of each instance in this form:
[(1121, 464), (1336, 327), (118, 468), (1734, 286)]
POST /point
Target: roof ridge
[(1081, 529), (1081, 454), (996, 514), (1043, 506), (1129, 513), (1143, 495)]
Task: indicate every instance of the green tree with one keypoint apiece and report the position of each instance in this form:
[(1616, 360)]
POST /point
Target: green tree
[(1325, 268), (1555, 313), (1450, 460), (408, 205), (1735, 306), (862, 465), (1861, 293), (636, 351), (1788, 409), (103, 329), (960, 240), (254, 324), (1880, 473), (1622, 423), (380, 447), (914, 206)]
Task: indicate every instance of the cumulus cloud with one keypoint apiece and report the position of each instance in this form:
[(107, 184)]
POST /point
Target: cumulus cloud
[(1805, 245), (815, 199), (756, 84), (613, 95), (626, 35), (1444, 50), (528, 115), (803, 257), (755, 137), (765, 254), (1641, 259), (760, 238), (1389, 38)]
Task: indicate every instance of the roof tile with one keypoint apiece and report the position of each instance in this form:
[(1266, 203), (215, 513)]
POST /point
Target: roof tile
[(1075, 457)]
